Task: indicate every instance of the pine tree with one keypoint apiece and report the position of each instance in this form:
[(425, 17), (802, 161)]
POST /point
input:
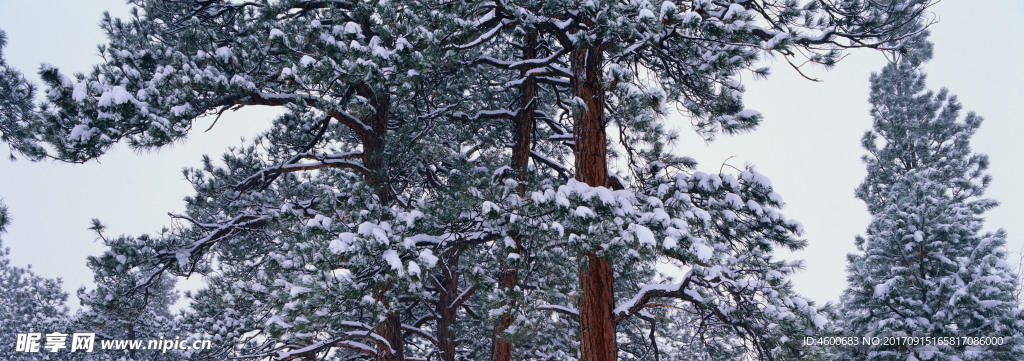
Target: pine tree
[(391, 211), (621, 37), (925, 267), (29, 303), (16, 107), (119, 308), (354, 81)]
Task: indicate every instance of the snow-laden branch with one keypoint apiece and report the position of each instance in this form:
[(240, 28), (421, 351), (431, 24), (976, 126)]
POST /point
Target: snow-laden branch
[(320, 346), (562, 171), (522, 64), (565, 310), (347, 160), (650, 291), (486, 36)]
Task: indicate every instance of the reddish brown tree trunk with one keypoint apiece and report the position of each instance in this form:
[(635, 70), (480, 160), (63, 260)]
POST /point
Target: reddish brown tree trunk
[(597, 327), (374, 158), (447, 305), (502, 348), (391, 330), (524, 117), (589, 123)]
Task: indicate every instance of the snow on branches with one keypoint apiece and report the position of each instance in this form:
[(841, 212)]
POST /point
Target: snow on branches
[(391, 211)]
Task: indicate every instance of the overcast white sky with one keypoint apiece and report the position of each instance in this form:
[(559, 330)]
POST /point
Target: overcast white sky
[(808, 144)]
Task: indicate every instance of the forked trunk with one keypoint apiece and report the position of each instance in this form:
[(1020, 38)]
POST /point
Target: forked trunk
[(447, 306)]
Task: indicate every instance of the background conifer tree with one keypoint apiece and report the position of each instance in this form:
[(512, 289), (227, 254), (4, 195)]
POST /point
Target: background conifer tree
[(925, 266), (28, 304), (16, 107), (124, 306)]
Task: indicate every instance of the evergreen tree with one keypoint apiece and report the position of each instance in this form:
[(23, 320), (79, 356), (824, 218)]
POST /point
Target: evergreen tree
[(356, 84), (28, 304), (925, 267), (119, 308), (384, 217), (16, 107), (694, 51)]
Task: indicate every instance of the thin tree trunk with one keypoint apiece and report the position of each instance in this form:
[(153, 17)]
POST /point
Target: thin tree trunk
[(597, 327), (509, 277), (447, 305)]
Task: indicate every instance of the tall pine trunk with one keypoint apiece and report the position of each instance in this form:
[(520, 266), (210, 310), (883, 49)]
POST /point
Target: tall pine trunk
[(523, 127), (374, 158), (597, 327)]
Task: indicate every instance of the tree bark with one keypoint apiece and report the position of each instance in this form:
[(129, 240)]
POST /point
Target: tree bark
[(523, 128), (589, 123), (447, 305), (597, 326), (391, 330), (375, 160)]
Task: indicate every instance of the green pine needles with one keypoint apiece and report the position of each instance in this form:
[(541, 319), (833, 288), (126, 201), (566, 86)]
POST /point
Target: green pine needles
[(457, 180), (925, 268)]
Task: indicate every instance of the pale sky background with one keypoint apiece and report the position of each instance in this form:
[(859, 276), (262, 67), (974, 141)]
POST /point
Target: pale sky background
[(809, 143)]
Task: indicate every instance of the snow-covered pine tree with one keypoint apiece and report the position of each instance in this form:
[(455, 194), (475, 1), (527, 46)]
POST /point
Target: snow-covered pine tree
[(16, 107), (28, 304), (359, 84), (377, 214), (925, 267), (689, 54), (508, 49), (125, 305)]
